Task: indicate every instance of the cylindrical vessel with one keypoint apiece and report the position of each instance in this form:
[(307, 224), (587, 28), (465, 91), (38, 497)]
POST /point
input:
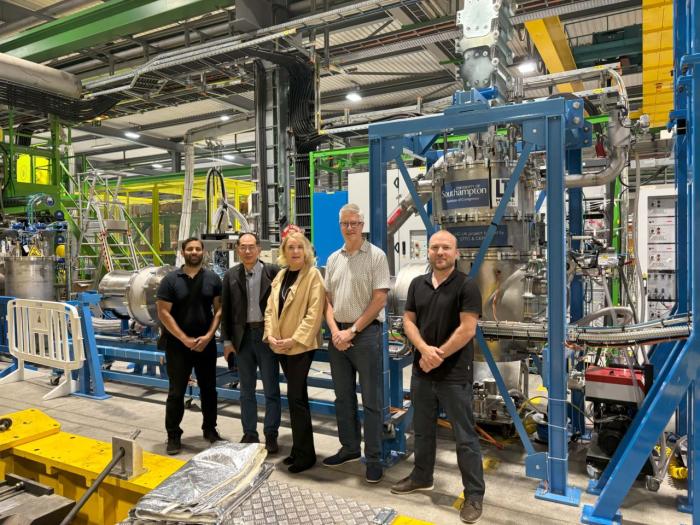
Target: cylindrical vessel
[(400, 284), (112, 288), (43, 78), (30, 278), (141, 294)]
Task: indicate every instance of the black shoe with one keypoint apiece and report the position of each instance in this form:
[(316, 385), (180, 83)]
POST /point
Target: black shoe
[(289, 460), (295, 469), (470, 511), (174, 445), (340, 458), (247, 438), (211, 435), (271, 445), (407, 485), (375, 473)]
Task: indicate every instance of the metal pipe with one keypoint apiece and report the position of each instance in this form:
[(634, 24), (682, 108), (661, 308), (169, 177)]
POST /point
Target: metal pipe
[(619, 139), (612, 311), (36, 76), (89, 492)]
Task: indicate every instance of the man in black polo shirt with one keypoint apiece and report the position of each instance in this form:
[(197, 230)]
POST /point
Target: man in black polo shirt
[(189, 309), (440, 318)]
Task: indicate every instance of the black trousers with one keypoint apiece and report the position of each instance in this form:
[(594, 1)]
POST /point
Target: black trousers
[(180, 361), (296, 369)]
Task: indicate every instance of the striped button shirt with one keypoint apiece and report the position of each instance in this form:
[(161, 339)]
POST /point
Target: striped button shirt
[(350, 280)]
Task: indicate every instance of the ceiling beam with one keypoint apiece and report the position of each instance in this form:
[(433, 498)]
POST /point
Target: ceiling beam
[(10, 13), (101, 24), (440, 56), (143, 140), (578, 9), (551, 42)]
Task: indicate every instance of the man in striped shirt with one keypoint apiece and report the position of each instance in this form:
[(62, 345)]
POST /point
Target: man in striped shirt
[(357, 283)]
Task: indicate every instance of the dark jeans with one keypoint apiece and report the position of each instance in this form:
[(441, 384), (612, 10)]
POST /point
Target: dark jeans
[(426, 395), (363, 359), (296, 369), (179, 363), (252, 354)]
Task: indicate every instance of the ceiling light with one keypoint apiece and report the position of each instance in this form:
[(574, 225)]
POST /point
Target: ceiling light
[(131, 135), (526, 67), (224, 118), (157, 166), (229, 157), (353, 96)]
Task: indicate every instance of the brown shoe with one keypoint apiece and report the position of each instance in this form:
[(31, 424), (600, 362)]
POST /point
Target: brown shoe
[(470, 512), (407, 485)]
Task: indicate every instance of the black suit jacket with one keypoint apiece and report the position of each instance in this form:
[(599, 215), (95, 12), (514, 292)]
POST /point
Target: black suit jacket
[(234, 301)]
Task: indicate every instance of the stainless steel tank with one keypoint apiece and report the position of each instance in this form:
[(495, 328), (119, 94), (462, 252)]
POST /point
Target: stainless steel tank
[(467, 189), (112, 288), (30, 278), (399, 289), (133, 294), (141, 294)]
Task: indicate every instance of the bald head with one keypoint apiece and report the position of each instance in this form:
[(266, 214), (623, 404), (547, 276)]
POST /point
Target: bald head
[(442, 251)]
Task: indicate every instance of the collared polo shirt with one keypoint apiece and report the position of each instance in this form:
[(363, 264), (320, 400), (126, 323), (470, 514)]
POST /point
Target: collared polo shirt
[(193, 315), (437, 317), (350, 280)]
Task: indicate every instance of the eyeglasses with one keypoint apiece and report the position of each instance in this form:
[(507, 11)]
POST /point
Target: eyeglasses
[(353, 224), (245, 248)]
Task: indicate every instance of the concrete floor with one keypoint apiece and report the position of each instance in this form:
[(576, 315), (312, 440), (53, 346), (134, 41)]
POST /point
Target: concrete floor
[(509, 494)]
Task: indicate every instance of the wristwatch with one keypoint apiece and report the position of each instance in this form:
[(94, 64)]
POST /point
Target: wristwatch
[(353, 329)]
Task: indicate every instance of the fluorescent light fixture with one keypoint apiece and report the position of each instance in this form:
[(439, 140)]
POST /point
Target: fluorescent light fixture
[(131, 135), (353, 96), (157, 166), (526, 67), (224, 118), (229, 157)]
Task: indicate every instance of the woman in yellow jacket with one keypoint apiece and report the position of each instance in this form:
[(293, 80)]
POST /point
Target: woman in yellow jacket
[(293, 330)]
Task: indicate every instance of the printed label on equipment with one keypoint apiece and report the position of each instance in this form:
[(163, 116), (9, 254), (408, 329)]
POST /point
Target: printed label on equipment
[(498, 188), (465, 194), (472, 236)]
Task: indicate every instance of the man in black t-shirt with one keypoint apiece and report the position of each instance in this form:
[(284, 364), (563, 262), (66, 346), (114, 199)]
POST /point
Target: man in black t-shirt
[(440, 318), (189, 309)]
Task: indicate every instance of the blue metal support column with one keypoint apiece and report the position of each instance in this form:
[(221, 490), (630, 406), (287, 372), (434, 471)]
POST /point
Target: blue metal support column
[(681, 371), (90, 381), (378, 237), (555, 487), (429, 228)]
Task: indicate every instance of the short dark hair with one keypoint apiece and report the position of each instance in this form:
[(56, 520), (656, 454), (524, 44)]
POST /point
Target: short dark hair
[(192, 239), (255, 236)]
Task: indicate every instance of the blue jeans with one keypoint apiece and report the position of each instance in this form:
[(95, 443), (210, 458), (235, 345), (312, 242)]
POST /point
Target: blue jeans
[(252, 354), (426, 395), (363, 359)]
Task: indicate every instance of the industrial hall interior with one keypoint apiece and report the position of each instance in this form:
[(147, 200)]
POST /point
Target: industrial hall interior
[(372, 262)]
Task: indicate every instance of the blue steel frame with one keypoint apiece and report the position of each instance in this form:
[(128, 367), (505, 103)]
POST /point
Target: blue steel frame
[(678, 379), (547, 124)]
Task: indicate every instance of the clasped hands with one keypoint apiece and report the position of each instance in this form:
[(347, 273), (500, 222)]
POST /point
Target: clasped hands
[(431, 358), (197, 344), (280, 345), (342, 339)]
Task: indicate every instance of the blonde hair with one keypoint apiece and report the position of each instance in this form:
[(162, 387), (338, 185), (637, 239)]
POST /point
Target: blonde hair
[(309, 256)]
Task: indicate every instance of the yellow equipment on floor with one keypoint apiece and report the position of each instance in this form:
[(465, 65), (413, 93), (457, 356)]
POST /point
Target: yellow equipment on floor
[(34, 447)]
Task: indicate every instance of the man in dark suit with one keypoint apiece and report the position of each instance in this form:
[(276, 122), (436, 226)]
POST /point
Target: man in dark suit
[(246, 288)]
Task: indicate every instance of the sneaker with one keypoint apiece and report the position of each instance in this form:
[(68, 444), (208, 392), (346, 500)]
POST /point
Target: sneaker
[(407, 485), (271, 444), (375, 473), (247, 438), (341, 458), (211, 435), (470, 512), (295, 468), (289, 460), (174, 445)]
